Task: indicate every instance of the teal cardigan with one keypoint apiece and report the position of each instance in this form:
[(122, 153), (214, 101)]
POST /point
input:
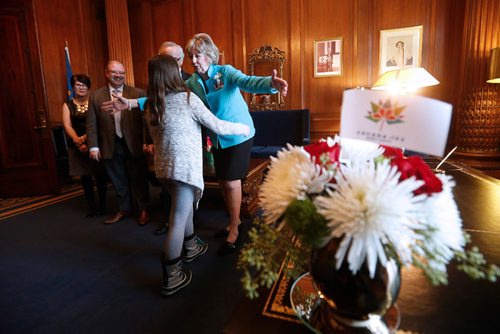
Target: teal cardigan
[(221, 94)]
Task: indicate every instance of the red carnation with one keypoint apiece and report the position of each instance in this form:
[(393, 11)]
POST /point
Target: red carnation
[(324, 155), (415, 166), (392, 152)]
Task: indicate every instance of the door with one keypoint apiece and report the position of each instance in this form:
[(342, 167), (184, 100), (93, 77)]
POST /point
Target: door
[(27, 159)]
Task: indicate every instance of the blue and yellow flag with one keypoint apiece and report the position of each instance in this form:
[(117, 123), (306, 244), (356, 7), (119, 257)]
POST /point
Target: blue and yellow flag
[(69, 74)]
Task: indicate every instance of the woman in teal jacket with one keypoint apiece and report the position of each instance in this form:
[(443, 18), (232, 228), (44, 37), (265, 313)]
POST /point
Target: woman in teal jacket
[(218, 86)]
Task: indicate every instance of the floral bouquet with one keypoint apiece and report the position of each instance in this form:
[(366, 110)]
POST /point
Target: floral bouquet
[(378, 203)]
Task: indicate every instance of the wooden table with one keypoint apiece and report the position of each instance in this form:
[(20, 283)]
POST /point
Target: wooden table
[(250, 184), (462, 306)]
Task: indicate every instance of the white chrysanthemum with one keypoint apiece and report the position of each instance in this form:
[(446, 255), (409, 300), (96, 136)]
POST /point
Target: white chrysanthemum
[(444, 225), (369, 207), (291, 176), (358, 151)]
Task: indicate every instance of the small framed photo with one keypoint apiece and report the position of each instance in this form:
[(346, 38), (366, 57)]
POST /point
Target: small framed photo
[(400, 48), (328, 58)]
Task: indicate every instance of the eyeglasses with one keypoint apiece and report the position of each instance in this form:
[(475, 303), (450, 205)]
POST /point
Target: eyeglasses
[(80, 86), (117, 72)]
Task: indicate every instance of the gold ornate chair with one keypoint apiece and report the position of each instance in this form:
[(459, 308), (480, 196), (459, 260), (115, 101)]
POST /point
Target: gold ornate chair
[(262, 61)]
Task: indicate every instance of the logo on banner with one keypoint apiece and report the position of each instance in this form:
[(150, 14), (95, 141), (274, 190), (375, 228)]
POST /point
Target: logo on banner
[(386, 112)]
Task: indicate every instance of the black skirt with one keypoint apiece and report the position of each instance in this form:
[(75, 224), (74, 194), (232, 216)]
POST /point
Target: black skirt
[(231, 163)]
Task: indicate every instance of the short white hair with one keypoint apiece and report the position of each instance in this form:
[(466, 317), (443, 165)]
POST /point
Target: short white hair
[(203, 43), (168, 44)]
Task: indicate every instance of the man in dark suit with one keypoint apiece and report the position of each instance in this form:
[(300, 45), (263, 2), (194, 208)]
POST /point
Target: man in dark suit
[(174, 50), (118, 138)]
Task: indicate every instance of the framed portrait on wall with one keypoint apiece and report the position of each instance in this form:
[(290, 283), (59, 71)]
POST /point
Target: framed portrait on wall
[(400, 48), (328, 58)]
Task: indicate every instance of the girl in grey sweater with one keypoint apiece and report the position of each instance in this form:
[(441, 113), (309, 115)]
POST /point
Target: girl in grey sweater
[(173, 117)]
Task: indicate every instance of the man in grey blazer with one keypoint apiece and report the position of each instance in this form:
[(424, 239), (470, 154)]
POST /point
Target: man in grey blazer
[(118, 139)]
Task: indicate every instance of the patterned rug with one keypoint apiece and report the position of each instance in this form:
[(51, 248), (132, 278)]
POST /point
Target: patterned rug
[(13, 206)]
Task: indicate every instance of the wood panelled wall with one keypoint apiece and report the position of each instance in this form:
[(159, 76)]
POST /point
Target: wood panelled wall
[(240, 26), (83, 24)]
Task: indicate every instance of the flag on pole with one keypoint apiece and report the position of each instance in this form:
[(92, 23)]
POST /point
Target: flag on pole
[(69, 73)]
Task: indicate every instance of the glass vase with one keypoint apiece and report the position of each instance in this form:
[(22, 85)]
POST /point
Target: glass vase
[(352, 303)]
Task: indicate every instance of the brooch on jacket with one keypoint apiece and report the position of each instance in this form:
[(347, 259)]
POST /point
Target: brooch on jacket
[(218, 82)]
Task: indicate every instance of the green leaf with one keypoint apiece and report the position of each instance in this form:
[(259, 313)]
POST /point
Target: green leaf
[(262, 257), (307, 223)]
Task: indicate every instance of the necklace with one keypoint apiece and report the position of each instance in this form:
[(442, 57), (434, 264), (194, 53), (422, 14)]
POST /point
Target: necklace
[(81, 108)]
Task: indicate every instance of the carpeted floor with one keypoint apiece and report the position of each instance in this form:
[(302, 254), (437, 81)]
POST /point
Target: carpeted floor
[(62, 273), (10, 207)]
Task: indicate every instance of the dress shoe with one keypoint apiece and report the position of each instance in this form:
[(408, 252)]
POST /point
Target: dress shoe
[(117, 217), (143, 218), (228, 247), (224, 232), (161, 230)]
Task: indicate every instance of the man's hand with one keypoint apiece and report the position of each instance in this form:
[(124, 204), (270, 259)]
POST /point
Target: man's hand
[(279, 84), (107, 106), (119, 103), (95, 155)]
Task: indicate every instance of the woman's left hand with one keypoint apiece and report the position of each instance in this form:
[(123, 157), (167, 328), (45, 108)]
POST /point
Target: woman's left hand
[(278, 83)]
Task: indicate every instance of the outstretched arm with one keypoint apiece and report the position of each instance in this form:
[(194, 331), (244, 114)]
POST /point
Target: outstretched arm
[(209, 120), (279, 84), (119, 103)]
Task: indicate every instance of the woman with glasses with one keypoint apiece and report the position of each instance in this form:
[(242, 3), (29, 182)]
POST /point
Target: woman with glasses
[(218, 86), (74, 115)]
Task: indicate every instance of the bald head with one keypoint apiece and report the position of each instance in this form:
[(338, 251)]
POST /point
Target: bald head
[(172, 49)]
